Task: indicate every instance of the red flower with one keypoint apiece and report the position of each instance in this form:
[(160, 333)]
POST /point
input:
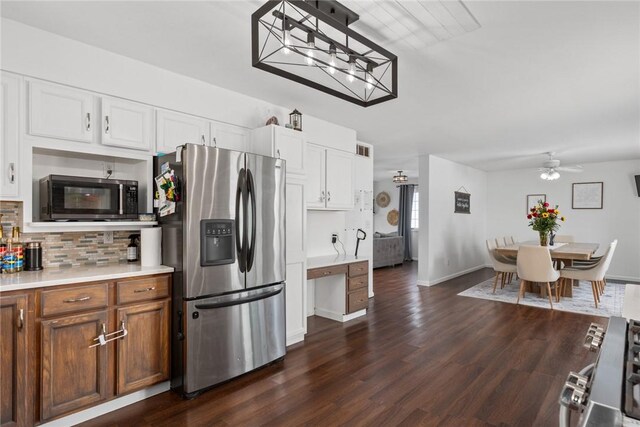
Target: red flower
[(535, 215), (546, 204), (550, 211), (529, 216), (533, 209)]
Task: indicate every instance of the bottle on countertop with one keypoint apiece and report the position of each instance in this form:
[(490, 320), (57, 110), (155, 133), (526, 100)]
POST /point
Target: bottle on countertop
[(132, 248), (18, 248), (3, 246)]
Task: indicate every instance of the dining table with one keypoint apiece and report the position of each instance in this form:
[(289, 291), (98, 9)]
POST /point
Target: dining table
[(563, 253)]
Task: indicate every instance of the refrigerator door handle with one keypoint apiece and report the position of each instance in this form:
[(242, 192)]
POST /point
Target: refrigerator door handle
[(238, 301), (238, 220), (252, 195)]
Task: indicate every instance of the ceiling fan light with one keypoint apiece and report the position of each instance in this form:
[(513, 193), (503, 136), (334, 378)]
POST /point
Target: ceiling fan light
[(544, 175), (555, 175)]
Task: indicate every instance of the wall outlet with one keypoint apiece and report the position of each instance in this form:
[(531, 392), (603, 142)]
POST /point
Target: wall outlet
[(107, 237), (334, 238), (108, 169)]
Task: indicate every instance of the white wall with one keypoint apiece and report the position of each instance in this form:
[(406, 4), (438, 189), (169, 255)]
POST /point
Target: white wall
[(619, 218), (453, 243)]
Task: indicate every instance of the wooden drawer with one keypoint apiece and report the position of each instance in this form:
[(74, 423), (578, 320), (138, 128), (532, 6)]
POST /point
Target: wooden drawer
[(358, 300), (144, 289), (358, 268), (358, 282), (316, 273), (75, 299)]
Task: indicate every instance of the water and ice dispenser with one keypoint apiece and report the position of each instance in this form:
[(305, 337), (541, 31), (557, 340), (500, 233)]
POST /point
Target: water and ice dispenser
[(217, 242)]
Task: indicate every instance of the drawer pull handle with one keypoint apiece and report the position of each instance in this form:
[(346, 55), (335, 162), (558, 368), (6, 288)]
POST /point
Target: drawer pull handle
[(149, 289), (326, 273), (81, 299), (20, 319)]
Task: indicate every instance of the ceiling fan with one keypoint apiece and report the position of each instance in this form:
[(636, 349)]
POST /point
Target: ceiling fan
[(551, 168)]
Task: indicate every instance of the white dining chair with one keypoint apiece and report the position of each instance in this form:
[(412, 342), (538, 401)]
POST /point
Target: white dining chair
[(591, 261), (594, 274), (503, 268), (535, 266), (512, 241), (499, 242)]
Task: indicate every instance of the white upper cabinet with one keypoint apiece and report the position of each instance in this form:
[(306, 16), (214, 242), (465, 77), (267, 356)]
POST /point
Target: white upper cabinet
[(340, 167), (9, 136), (126, 124), (174, 129), (61, 112), (316, 170), (278, 141), (229, 136), (330, 178)]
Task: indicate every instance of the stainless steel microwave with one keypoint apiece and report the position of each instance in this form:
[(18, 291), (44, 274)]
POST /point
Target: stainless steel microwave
[(87, 199)]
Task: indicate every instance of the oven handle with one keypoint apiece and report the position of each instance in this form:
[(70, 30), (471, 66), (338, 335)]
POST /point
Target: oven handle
[(121, 199), (564, 416), (238, 301)]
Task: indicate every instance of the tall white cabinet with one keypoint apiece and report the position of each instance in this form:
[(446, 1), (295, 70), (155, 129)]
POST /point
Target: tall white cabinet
[(290, 145), (9, 136)]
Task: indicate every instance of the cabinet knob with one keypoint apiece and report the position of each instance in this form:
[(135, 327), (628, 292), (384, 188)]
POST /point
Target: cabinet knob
[(322, 196), (328, 196), (106, 124), (12, 173), (20, 319), (88, 126), (203, 142), (278, 153)]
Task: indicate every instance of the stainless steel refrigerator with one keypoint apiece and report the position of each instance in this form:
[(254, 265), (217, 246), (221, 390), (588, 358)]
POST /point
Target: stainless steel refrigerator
[(226, 241)]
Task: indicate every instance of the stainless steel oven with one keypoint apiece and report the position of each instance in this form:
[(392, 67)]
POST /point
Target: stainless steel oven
[(77, 198)]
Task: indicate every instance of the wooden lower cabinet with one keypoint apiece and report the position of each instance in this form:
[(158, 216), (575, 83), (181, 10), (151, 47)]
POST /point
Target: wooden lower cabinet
[(15, 387), (143, 354), (73, 374)]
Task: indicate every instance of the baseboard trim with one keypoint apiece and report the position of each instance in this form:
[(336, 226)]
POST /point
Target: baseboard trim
[(339, 317), (295, 337), (451, 276), (110, 406), (623, 278)]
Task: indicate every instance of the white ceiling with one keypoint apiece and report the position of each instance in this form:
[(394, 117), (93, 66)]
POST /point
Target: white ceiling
[(534, 77)]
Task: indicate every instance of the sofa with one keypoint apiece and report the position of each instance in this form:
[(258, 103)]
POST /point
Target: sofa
[(388, 249)]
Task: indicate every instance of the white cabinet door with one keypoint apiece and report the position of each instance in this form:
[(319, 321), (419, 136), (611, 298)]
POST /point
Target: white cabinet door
[(9, 136), (230, 137), (296, 220), (339, 180), (126, 124), (290, 145), (174, 129), (296, 302), (315, 176), (61, 112)]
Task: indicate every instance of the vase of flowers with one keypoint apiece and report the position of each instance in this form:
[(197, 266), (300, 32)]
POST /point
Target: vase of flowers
[(544, 219)]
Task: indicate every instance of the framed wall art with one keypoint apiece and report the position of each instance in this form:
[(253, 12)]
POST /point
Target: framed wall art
[(532, 200), (587, 195)]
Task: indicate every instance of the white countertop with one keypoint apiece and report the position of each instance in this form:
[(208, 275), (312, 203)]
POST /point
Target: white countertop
[(329, 260), (65, 276)]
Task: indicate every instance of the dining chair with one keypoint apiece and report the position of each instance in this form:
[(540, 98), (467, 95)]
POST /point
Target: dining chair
[(563, 238), (512, 241), (535, 266), (591, 261), (499, 242), (503, 268), (594, 273)]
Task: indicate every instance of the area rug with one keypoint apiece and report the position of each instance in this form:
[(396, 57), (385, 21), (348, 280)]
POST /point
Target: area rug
[(581, 302)]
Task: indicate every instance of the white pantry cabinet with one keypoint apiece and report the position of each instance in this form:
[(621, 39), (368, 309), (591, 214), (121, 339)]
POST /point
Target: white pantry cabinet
[(228, 136), (329, 179), (278, 141), (174, 129), (60, 112), (296, 294), (126, 124), (9, 136)]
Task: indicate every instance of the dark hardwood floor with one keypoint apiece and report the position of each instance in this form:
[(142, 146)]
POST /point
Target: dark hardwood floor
[(421, 356)]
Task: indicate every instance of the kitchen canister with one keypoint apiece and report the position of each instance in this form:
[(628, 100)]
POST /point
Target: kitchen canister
[(150, 246), (33, 257)]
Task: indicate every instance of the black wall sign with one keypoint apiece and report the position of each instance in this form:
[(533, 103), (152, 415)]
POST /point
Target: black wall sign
[(463, 203)]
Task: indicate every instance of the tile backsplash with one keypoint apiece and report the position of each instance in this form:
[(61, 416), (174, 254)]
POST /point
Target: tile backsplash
[(69, 248)]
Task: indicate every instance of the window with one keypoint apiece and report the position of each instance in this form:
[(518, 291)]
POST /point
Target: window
[(415, 208)]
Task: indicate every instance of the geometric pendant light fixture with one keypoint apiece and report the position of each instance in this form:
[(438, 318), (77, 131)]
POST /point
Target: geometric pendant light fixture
[(310, 42), (400, 178)]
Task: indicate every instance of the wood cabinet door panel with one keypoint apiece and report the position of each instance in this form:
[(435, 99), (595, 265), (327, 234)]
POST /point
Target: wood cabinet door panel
[(357, 283), (316, 273), (358, 268), (14, 410), (73, 375), (357, 300), (143, 355)]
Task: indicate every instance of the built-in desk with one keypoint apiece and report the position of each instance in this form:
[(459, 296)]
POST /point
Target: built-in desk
[(342, 299)]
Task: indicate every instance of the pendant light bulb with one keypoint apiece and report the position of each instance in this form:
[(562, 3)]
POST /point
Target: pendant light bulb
[(332, 59), (311, 45), (370, 81), (351, 77), (287, 42)]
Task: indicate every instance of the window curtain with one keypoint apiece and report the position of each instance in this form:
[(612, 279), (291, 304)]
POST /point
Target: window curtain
[(404, 223)]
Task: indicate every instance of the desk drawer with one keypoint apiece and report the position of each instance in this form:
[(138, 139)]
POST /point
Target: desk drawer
[(316, 273), (358, 300), (358, 282), (144, 289), (77, 298), (358, 268)]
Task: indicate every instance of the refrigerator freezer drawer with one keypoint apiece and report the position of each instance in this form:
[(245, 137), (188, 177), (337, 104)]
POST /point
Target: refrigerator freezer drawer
[(233, 334)]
